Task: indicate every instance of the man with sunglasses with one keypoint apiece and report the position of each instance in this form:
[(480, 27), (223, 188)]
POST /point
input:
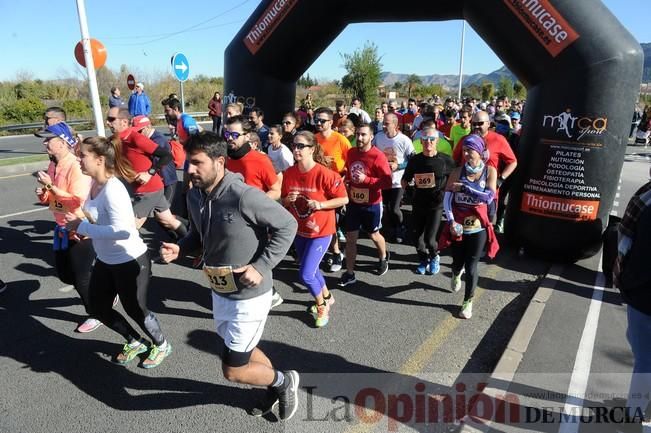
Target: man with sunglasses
[(500, 156), (335, 148), (149, 197), (54, 115)]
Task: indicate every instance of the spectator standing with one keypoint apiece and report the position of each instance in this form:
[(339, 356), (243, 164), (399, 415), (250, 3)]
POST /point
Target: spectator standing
[(115, 100), (632, 276), (139, 103), (215, 112)]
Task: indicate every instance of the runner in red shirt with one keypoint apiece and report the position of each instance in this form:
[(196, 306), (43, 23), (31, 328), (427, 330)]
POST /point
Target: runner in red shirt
[(312, 192), (256, 167), (368, 173)]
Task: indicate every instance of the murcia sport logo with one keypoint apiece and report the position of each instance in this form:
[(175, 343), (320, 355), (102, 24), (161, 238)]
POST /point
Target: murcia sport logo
[(580, 126)]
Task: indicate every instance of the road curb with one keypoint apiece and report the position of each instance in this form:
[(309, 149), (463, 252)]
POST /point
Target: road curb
[(23, 168), (500, 380)]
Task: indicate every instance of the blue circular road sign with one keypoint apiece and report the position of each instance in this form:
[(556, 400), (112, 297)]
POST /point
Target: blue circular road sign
[(180, 67)]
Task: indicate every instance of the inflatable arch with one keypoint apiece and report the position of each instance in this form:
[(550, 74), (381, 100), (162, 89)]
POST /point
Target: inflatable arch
[(581, 67)]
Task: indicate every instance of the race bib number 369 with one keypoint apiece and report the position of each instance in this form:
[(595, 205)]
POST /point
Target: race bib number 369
[(221, 278)]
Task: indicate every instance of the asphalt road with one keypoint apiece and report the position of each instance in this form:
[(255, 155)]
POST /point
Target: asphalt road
[(390, 333)]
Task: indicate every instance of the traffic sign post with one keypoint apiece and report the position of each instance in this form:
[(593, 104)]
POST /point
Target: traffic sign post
[(181, 70), (131, 82)]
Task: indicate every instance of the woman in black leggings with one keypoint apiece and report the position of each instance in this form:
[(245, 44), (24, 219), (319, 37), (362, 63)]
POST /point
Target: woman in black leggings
[(123, 266), (469, 191)]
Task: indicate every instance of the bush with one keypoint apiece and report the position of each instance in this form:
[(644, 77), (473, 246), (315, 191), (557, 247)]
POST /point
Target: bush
[(25, 110), (77, 109)]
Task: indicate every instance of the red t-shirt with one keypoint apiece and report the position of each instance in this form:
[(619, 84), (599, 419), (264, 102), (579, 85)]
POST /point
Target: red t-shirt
[(256, 169), (500, 152), (375, 166), (320, 184), (139, 149)]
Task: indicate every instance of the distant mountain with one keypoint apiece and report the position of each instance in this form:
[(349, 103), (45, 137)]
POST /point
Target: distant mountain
[(452, 81), (646, 74)]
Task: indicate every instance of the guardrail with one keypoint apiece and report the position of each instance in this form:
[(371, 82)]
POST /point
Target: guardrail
[(40, 125)]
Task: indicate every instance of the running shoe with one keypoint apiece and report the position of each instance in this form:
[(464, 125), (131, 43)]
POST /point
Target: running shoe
[(466, 309), (329, 300), (266, 403), (421, 268), (322, 316), (341, 236), (89, 325), (157, 355), (337, 262), (456, 281), (435, 265), (383, 265), (130, 351), (3, 286), (288, 395), (401, 234), (276, 299), (347, 279)]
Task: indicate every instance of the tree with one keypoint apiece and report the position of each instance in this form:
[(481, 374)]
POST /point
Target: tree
[(412, 81), (487, 90), (473, 91), (362, 77), (519, 91), (505, 87)]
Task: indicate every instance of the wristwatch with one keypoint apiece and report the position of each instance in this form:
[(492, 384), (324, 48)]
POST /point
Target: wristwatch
[(151, 171), (48, 186)]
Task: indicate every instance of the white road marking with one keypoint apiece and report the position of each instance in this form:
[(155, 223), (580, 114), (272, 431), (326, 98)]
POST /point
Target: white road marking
[(583, 361), (9, 215)]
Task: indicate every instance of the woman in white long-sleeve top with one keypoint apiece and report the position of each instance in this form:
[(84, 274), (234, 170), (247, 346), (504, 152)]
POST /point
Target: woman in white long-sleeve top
[(123, 266)]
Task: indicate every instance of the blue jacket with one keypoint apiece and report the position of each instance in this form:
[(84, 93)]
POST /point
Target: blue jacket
[(139, 104), (168, 172)]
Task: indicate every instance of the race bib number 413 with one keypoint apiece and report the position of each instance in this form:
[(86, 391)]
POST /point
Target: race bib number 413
[(221, 278)]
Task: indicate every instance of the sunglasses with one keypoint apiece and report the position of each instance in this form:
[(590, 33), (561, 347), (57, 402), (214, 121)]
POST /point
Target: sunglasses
[(301, 146), (110, 119), (317, 120), (478, 123), (234, 135), (428, 138)]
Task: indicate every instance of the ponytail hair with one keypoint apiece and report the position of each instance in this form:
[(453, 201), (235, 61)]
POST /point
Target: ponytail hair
[(114, 160)]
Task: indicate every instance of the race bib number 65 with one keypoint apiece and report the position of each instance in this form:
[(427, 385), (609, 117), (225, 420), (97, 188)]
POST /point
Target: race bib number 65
[(221, 278)]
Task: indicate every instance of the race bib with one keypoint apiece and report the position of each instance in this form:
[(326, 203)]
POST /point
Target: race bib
[(471, 223), (220, 278), (359, 195), (424, 180), (56, 206)]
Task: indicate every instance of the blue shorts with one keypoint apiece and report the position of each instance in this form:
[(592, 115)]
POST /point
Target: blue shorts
[(367, 218)]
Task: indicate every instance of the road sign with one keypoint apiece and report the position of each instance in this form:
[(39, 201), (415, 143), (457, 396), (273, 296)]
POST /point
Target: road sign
[(180, 67), (97, 49), (131, 82)]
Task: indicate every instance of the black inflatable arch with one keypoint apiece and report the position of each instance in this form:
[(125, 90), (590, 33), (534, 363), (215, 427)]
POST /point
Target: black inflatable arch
[(581, 67)]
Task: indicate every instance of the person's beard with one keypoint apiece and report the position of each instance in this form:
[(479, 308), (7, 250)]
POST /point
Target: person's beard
[(204, 183)]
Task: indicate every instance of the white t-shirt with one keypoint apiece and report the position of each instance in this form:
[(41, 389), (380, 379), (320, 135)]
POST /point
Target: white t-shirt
[(113, 232), (281, 158), (364, 116), (396, 149)]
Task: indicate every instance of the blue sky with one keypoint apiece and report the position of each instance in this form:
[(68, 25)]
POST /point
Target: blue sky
[(39, 38)]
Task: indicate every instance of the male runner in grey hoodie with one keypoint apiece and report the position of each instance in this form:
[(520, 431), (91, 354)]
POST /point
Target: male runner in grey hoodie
[(243, 235)]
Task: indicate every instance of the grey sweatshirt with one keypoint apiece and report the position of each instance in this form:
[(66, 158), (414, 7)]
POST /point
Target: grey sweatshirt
[(238, 225)]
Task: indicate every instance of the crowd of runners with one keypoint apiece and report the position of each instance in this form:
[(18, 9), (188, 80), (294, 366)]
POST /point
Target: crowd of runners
[(252, 193)]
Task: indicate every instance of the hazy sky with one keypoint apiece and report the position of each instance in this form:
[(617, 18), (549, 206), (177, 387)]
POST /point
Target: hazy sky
[(39, 37)]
